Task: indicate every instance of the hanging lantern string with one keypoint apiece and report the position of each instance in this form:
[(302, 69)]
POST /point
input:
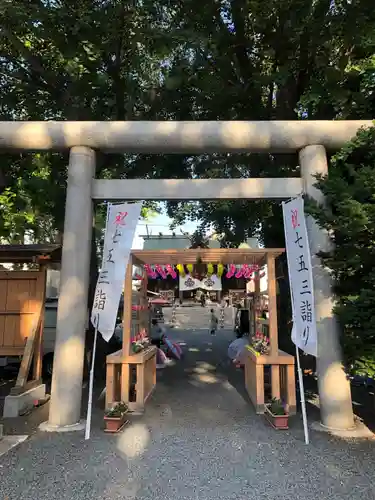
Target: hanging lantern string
[(161, 271), (181, 270), (220, 270), (210, 269), (171, 271)]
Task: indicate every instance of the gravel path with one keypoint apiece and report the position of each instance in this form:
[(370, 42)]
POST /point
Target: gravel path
[(199, 439)]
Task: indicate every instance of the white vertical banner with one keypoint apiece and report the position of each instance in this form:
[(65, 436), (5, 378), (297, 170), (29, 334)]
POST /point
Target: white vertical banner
[(121, 224), (304, 333)]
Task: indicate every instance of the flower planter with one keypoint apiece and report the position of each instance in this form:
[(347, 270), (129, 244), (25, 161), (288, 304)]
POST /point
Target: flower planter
[(115, 417), (277, 421), (114, 424)]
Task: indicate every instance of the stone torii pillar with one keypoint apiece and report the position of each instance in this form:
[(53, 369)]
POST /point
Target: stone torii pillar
[(72, 314), (334, 388)]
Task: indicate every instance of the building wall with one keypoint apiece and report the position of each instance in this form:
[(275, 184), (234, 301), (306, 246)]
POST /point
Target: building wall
[(171, 242), (166, 242)]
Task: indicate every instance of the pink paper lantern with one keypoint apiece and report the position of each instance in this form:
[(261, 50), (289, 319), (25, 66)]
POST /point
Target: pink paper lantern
[(231, 271), (161, 271), (246, 271), (239, 273), (150, 272), (171, 271)]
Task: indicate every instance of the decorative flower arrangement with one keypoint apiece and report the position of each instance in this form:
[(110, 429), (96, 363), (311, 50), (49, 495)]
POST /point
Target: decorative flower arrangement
[(261, 343), (140, 342)]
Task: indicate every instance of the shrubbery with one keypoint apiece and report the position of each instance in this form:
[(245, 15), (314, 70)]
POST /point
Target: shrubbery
[(350, 219)]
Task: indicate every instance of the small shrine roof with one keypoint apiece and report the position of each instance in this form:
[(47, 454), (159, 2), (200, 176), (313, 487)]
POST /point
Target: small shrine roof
[(253, 256)]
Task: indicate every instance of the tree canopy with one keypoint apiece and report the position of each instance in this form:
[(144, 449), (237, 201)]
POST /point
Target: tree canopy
[(64, 60), (244, 59), (253, 60)]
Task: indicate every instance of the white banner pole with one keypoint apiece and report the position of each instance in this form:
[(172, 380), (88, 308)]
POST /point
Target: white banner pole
[(91, 386), (303, 402)]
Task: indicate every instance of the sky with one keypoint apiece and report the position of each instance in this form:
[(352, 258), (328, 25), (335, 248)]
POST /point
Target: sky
[(159, 224)]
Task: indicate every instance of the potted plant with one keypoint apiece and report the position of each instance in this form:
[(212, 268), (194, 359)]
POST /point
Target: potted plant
[(276, 414), (115, 417)]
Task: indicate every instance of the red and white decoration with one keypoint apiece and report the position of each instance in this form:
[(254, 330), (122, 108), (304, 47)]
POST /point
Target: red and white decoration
[(165, 270), (150, 272), (244, 271), (211, 283)]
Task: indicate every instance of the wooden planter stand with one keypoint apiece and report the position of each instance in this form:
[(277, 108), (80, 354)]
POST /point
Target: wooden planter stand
[(119, 381), (283, 385)]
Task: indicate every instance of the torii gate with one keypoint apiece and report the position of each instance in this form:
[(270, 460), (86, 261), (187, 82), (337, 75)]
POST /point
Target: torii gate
[(309, 138)]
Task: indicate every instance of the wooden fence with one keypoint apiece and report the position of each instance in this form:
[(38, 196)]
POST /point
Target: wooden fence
[(22, 296)]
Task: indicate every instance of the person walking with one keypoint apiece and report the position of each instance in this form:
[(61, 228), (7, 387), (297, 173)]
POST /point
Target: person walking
[(237, 350), (213, 322), (203, 300)]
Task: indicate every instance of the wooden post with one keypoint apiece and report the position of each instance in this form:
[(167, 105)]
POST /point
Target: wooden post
[(110, 385), (275, 381), (127, 317), (140, 386), (256, 301), (273, 332), (29, 350), (272, 307), (259, 383), (37, 368), (125, 382), (145, 324), (291, 388)]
